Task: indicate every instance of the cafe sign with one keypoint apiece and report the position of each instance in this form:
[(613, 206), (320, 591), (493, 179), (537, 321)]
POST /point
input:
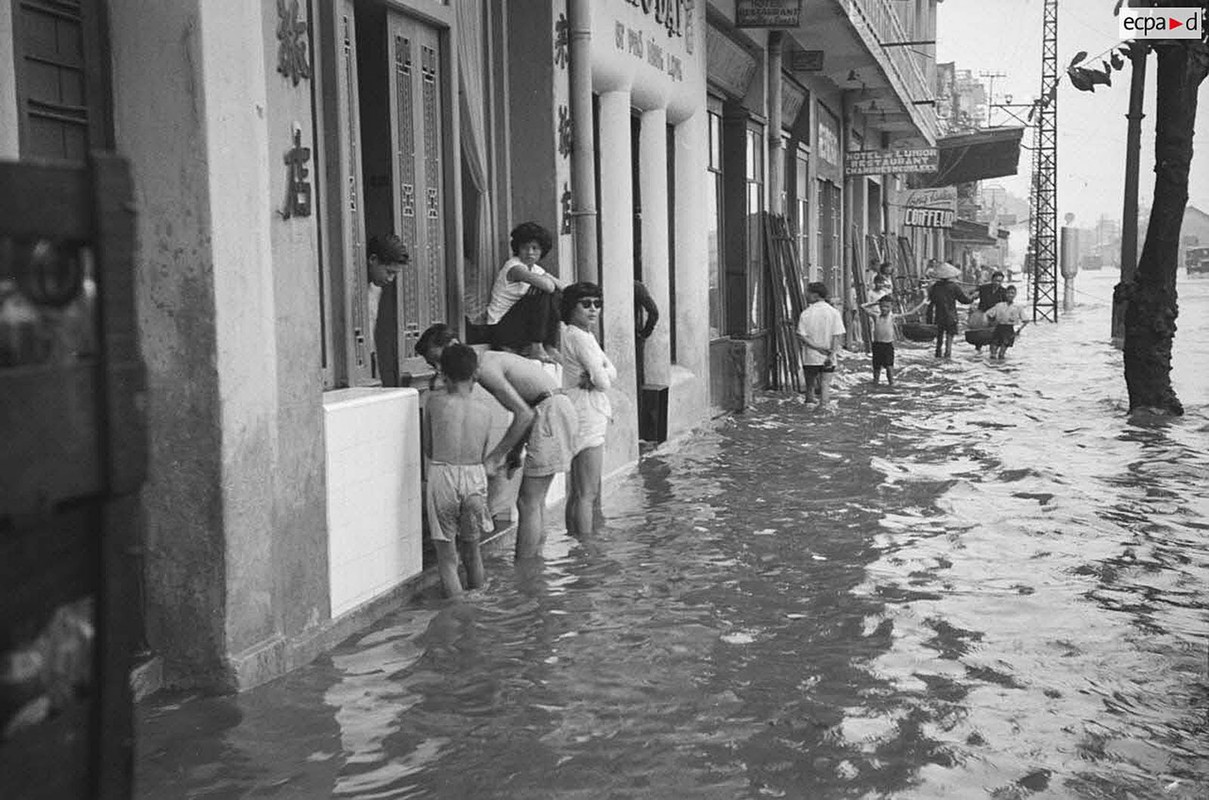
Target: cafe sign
[(890, 162), (768, 13), (930, 208)]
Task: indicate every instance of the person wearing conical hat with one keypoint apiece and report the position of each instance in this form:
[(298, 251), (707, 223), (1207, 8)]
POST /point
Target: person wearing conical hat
[(944, 296)]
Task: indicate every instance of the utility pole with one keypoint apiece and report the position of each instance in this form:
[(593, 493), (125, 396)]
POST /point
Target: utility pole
[(1129, 215), (1044, 227), (991, 90)]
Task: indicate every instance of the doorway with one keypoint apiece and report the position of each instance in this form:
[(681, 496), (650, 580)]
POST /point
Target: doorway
[(401, 106)]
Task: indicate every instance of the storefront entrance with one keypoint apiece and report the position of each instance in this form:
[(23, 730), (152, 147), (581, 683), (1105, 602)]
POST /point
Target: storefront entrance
[(391, 81)]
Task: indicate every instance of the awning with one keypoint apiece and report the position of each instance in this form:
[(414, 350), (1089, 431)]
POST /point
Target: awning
[(966, 231), (988, 153)]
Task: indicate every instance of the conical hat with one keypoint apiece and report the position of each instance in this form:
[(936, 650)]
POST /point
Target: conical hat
[(946, 270)]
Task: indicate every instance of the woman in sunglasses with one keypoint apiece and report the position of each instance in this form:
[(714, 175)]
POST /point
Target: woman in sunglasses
[(587, 377)]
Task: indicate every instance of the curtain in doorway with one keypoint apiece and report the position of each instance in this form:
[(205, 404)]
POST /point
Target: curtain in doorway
[(479, 241)]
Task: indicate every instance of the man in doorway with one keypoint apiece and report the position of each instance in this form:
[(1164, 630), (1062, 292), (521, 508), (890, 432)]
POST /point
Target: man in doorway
[(821, 331), (386, 257), (544, 422)]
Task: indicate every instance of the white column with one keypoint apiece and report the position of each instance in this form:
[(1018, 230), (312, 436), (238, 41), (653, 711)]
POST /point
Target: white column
[(652, 180), (617, 274), (692, 257)]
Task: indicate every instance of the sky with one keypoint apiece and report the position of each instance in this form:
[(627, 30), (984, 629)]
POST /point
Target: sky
[(1005, 36)]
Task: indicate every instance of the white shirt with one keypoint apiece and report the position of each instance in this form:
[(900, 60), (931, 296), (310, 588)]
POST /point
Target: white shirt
[(1006, 314), (582, 353), (819, 323), (505, 293)]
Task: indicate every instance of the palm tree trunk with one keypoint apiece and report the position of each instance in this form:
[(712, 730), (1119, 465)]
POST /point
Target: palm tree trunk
[(1152, 300)]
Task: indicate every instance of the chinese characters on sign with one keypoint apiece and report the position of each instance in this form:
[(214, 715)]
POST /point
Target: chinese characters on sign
[(292, 59), (885, 162), (298, 187), (668, 13), (930, 208)]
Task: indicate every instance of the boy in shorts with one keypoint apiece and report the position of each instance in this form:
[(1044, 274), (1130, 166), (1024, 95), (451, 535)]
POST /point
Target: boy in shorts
[(456, 431), (882, 321)]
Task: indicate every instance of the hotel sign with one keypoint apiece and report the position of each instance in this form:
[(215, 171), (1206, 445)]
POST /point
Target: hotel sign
[(768, 13), (930, 208), (887, 162)]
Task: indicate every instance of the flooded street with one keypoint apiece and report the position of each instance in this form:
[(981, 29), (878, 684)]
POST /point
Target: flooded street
[(985, 583)]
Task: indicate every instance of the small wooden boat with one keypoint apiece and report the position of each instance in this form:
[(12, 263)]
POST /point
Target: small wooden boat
[(980, 337), (918, 331)]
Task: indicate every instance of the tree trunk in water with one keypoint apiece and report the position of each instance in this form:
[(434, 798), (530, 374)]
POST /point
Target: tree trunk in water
[(1152, 308)]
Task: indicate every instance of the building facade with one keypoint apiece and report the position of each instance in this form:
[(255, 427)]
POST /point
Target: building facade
[(271, 141), (786, 108)]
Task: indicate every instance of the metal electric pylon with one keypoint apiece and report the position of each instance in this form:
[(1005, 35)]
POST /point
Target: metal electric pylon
[(1044, 224)]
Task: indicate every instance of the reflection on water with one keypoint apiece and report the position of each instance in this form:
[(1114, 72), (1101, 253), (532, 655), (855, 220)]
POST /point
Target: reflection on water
[(988, 583)]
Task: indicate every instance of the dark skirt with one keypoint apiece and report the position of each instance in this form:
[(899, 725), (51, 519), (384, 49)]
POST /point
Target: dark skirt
[(532, 319)]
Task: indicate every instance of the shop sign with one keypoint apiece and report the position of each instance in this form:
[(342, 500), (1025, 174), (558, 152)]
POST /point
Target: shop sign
[(887, 162), (768, 13), (930, 208), (806, 61), (648, 50), (670, 14), (828, 142)]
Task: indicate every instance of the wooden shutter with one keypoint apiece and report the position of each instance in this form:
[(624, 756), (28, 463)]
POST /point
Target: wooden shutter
[(416, 107), (62, 82)]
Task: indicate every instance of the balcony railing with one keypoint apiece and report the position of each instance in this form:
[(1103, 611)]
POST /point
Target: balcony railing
[(877, 22)]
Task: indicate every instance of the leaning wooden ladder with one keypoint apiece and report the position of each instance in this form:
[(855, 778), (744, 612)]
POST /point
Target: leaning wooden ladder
[(785, 284)]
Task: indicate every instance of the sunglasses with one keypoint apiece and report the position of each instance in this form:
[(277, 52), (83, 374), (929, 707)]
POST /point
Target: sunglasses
[(592, 302)]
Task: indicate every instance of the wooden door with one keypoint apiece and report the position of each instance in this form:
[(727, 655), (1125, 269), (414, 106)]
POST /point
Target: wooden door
[(417, 88), (351, 196), (72, 461)]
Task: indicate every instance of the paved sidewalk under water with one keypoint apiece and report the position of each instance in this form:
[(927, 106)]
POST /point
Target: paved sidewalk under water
[(985, 583)]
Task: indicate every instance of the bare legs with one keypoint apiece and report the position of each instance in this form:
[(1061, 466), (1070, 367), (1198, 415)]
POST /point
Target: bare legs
[(447, 566), (583, 490), (473, 510), (531, 515), (944, 340)]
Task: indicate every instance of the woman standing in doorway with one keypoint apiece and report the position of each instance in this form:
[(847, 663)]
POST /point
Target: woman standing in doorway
[(587, 377)]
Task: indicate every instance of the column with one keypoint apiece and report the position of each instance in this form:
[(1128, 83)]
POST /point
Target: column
[(692, 280), (617, 274), (652, 178), (191, 120)]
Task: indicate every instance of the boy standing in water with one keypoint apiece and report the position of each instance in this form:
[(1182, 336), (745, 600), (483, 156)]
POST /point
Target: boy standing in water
[(456, 431), (882, 312), (1005, 316), (882, 321)]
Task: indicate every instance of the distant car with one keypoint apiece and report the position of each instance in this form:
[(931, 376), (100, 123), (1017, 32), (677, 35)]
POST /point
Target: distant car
[(1196, 260)]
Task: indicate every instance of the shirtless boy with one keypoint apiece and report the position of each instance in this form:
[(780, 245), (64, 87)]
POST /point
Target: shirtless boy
[(456, 431), (543, 419)]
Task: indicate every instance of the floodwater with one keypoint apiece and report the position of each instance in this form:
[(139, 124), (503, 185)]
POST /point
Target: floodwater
[(988, 583)]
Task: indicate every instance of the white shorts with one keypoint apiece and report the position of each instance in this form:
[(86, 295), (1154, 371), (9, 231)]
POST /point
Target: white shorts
[(449, 487)]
